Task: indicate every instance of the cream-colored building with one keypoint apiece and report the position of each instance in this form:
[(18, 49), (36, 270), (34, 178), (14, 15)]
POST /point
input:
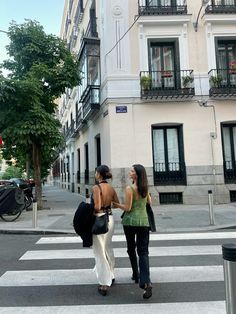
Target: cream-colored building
[(158, 88)]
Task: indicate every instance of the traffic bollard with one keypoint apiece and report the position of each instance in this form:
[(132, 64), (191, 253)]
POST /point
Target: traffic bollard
[(211, 211), (35, 215), (229, 256)]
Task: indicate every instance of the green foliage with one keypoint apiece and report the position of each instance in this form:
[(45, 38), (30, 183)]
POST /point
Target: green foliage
[(41, 68), (146, 81), (12, 172), (216, 80), (187, 80)]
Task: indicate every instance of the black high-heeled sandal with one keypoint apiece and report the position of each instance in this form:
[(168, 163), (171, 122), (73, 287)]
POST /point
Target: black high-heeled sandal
[(102, 290), (147, 291)]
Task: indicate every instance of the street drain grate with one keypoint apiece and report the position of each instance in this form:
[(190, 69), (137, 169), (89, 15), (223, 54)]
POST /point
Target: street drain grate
[(166, 217)]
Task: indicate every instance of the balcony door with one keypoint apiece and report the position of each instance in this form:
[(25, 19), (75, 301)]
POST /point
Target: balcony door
[(226, 62), (163, 65)]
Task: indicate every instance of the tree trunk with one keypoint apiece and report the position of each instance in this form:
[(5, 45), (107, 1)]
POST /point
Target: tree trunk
[(37, 174)]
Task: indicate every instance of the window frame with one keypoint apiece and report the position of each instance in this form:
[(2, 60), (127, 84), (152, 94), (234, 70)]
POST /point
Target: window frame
[(182, 170)]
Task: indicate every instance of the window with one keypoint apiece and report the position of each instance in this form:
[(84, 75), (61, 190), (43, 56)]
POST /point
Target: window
[(86, 171), (98, 149), (163, 64), (229, 152), (168, 155), (226, 61), (78, 165)]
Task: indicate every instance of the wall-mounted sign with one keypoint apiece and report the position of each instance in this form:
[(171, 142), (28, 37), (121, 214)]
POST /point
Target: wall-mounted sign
[(121, 109)]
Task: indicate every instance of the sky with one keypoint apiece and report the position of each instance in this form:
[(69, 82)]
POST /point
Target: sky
[(47, 12)]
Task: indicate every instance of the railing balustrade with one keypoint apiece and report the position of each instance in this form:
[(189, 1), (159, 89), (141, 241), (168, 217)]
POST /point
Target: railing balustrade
[(170, 7), (170, 173), (223, 81)]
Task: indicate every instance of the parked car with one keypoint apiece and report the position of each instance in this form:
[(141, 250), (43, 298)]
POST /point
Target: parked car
[(23, 184), (7, 182)]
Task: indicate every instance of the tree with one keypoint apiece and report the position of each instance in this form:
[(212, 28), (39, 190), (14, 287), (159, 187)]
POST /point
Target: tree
[(41, 68), (12, 172)]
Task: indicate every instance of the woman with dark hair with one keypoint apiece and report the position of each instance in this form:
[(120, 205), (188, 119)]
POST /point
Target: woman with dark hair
[(136, 227), (103, 196)]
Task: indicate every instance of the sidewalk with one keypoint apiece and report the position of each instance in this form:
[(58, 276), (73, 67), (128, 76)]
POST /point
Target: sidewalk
[(60, 205)]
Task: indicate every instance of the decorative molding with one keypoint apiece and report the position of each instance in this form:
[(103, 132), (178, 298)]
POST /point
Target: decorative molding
[(117, 11)]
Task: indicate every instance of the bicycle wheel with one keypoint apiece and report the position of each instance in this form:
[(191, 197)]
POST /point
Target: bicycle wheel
[(12, 216)]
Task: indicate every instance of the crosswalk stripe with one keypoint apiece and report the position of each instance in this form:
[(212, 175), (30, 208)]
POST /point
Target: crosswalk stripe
[(122, 252), (87, 276), (153, 237), (217, 307)]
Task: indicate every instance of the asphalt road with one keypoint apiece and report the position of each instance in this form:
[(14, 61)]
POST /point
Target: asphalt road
[(58, 272)]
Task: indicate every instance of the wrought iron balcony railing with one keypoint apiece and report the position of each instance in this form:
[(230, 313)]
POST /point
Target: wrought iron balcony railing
[(172, 173), (159, 84), (225, 7), (222, 82), (229, 171), (70, 131), (147, 7), (90, 101)]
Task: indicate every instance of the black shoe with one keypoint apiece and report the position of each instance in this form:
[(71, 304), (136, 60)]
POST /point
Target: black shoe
[(113, 281), (135, 278), (147, 292), (102, 291)]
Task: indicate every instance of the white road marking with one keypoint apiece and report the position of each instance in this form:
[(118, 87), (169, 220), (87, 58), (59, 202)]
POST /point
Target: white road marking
[(153, 237), (122, 252), (217, 307), (87, 276)]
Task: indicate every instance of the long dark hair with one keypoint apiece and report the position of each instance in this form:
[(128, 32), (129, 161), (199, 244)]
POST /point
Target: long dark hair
[(142, 182), (104, 172)]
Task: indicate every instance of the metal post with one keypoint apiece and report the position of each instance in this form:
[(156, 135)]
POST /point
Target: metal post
[(211, 212), (35, 216), (87, 200), (229, 256)]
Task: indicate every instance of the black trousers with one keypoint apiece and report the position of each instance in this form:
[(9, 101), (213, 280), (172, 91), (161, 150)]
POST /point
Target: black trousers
[(138, 237)]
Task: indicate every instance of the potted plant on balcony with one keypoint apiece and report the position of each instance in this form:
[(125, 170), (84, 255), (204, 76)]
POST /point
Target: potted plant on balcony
[(216, 80), (146, 82), (187, 80)]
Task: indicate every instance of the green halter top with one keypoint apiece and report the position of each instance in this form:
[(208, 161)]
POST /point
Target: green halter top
[(137, 216)]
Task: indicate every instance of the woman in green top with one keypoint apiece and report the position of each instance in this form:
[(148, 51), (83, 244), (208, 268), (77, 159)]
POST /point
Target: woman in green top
[(136, 227)]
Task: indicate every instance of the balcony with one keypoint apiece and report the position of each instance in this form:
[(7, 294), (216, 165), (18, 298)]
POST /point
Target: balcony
[(70, 131), (167, 84), (229, 172), (147, 7), (223, 8), (91, 30), (172, 173), (79, 121), (90, 101), (222, 82)]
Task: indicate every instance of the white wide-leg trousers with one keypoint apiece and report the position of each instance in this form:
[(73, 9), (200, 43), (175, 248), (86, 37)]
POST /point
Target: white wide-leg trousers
[(104, 255)]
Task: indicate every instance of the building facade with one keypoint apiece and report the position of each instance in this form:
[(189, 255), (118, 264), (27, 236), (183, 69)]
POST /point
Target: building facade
[(158, 88)]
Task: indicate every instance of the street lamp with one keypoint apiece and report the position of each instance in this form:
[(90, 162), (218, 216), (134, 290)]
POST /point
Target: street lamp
[(195, 24)]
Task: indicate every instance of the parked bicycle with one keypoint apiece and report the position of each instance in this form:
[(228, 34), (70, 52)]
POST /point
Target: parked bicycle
[(12, 202)]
